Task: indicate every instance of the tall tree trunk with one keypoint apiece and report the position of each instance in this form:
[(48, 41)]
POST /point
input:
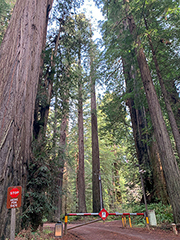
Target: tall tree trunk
[(118, 195), (172, 120), (169, 164), (62, 145), (40, 125), (95, 145), (20, 66), (62, 148), (80, 177), (144, 152)]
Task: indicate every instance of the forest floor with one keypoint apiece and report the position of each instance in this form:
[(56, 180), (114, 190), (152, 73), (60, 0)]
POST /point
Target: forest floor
[(101, 231)]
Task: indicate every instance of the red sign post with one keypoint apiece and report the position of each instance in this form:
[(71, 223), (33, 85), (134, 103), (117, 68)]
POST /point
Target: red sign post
[(13, 202), (14, 197)]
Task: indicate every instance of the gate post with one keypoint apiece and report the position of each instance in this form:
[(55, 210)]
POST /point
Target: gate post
[(130, 221), (123, 220), (147, 220), (65, 224)]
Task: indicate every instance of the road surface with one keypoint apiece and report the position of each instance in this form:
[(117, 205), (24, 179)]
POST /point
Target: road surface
[(114, 231)]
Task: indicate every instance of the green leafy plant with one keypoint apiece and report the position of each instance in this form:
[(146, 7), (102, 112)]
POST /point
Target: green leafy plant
[(163, 213)]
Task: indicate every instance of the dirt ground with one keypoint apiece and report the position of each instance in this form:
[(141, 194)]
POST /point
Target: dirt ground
[(114, 231)]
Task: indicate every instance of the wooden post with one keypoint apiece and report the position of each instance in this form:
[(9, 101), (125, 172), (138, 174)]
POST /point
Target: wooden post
[(13, 223)]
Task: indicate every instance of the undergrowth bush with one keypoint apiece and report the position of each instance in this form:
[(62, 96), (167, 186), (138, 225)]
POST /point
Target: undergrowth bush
[(163, 213)]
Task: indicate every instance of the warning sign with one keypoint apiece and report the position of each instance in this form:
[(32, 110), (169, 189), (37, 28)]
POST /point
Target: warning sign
[(14, 197), (103, 214)]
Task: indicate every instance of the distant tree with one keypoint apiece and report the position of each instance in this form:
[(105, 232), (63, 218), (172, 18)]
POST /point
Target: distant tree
[(82, 37), (94, 135)]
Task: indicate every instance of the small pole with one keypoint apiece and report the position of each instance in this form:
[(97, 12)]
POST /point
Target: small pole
[(13, 223), (65, 224), (130, 222), (123, 220)]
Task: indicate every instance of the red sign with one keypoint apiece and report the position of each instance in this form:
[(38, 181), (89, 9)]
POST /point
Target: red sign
[(14, 197), (14, 192), (103, 214)]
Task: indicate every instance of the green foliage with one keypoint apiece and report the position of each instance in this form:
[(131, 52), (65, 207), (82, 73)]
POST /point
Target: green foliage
[(4, 17), (163, 212), (115, 117), (39, 180)]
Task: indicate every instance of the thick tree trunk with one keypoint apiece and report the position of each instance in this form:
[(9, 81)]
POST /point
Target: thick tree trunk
[(172, 120), (95, 151), (160, 187), (138, 119), (80, 177), (20, 62), (145, 155), (169, 164)]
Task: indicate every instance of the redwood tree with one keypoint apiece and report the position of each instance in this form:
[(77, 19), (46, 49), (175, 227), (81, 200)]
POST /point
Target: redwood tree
[(80, 175), (20, 67), (169, 164), (94, 136), (82, 37)]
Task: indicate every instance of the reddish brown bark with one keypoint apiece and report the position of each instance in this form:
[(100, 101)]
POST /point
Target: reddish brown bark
[(172, 119), (20, 66), (80, 176), (95, 150), (169, 164)]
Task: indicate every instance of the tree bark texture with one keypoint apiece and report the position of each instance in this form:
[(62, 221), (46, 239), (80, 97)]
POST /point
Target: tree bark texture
[(144, 152), (160, 186), (169, 164), (95, 152), (20, 62), (172, 119), (80, 177), (138, 119)]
